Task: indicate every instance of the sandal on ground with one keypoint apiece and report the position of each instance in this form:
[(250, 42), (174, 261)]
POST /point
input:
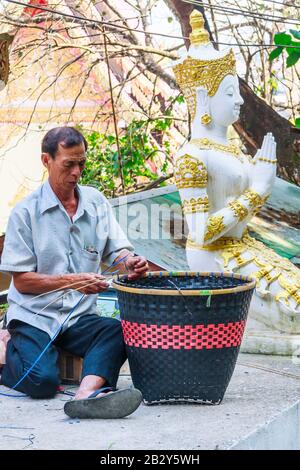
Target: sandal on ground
[(110, 404)]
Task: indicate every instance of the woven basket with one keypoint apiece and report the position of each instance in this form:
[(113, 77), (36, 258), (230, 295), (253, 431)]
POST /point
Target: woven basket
[(183, 332)]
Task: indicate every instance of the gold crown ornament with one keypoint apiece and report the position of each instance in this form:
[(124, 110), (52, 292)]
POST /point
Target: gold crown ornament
[(193, 73)]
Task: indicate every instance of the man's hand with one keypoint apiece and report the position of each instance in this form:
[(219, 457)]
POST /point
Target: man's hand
[(91, 283), (136, 266)]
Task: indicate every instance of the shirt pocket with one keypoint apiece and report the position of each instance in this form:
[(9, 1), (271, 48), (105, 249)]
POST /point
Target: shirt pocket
[(90, 262)]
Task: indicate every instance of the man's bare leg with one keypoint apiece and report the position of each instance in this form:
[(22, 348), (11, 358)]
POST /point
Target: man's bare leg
[(89, 384), (4, 338)]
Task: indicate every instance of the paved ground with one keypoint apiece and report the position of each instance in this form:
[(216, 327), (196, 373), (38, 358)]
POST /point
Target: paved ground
[(254, 398)]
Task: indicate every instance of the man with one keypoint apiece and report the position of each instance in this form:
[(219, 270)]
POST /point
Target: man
[(55, 240)]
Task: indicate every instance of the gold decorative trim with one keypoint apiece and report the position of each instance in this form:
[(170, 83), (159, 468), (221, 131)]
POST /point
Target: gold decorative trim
[(192, 73), (193, 205), (221, 243), (190, 172), (254, 198), (266, 160), (135, 290), (290, 290), (271, 266), (215, 226), (239, 210), (207, 144)]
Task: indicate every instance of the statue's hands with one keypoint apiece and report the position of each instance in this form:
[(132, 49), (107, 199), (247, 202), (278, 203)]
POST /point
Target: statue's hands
[(264, 169)]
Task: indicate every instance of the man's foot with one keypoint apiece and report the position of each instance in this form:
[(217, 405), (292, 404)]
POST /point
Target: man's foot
[(105, 403), (4, 338)]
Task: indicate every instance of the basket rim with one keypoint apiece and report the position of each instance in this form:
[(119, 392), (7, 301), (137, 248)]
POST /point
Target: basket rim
[(251, 282)]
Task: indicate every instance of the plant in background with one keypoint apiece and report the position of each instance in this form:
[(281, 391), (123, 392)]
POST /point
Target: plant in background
[(137, 153), (3, 309), (290, 43)]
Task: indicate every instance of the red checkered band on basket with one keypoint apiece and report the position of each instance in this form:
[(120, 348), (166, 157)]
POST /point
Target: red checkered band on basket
[(210, 336)]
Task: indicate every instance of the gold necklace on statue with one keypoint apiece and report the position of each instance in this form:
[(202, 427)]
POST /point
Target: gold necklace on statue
[(206, 143)]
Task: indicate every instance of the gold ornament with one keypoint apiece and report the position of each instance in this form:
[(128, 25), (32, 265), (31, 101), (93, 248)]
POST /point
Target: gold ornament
[(240, 211), (256, 201), (199, 35), (215, 226), (206, 119), (190, 206), (190, 172), (290, 290), (219, 244), (207, 144), (193, 73), (271, 267), (266, 160)]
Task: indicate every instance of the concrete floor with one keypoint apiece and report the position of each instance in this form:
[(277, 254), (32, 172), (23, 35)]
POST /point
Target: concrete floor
[(256, 404)]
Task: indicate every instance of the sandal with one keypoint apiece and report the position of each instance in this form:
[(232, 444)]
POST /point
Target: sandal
[(111, 404)]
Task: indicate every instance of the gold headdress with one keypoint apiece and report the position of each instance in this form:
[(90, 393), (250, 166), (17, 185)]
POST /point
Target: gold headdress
[(192, 73)]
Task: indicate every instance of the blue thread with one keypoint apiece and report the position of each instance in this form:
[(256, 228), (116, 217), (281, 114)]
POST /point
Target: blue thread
[(52, 340), (43, 352)]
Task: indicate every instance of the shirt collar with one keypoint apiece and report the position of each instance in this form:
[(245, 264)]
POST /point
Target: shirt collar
[(49, 200)]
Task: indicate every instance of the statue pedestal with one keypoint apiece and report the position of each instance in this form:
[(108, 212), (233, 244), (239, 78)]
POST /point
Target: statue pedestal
[(259, 339)]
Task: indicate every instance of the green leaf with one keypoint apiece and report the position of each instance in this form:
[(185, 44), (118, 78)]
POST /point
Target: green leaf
[(180, 99), (292, 59), (295, 33), (290, 50), (297, 122), (275, 53), (282, 39)]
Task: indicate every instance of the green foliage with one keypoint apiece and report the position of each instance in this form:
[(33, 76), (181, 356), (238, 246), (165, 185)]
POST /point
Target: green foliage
[(297, 122), (275, 53), (136, 151), (282, 39), (273, 82), (286, 42), (3, 310)]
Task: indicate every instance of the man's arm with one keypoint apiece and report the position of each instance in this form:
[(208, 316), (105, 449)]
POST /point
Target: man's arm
[(35, 283)]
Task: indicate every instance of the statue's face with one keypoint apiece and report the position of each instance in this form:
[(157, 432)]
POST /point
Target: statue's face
[(225, 105)]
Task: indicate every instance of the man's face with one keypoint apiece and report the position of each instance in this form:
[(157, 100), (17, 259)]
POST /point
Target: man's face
[(66, 168)]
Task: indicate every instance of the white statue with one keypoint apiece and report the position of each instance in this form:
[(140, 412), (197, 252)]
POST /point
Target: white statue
[(221, 189)]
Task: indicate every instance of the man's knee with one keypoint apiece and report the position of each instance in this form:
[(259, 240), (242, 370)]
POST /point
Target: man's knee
[(42, 385)]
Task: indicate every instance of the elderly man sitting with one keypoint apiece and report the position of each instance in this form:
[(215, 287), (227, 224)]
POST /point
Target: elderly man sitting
[(55, 241)]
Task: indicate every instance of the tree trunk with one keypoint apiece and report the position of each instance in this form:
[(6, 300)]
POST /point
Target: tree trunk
[(5, 41), (257, 117)]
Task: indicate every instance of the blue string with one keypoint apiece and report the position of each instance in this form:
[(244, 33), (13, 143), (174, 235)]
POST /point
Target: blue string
[(42, 353), (53, 339)]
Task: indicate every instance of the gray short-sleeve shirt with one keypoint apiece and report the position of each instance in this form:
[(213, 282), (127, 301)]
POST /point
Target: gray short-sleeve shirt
[(41, 237)]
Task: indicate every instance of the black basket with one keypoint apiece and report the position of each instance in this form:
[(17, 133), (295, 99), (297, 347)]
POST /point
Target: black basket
[(183, 332)]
